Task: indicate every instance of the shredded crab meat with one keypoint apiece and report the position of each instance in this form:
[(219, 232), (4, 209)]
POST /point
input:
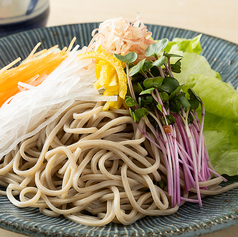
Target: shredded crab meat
[(121, 37)]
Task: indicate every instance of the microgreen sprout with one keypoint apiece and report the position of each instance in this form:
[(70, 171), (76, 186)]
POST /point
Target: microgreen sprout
[(156, 48), (169, 112)]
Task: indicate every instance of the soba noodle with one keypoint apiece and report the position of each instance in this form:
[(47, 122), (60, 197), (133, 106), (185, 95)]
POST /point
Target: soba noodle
[(92, 166)]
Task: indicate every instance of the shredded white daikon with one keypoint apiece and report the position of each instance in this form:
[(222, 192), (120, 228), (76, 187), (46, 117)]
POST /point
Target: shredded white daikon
[(29, 111)]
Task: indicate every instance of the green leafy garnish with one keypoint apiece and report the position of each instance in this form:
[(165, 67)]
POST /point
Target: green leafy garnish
[(137, 68), (156, 48), (129, 58), (148, 91), (159, 62), (130, 102), (153, 82)]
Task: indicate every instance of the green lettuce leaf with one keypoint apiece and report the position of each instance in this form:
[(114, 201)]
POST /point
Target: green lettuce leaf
[(221, 121), (218, 76), (185, 45), (221, 137), (193, 63), (218, 97)]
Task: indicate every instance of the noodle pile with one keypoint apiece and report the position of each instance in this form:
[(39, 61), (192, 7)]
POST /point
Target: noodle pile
[(92, 166)]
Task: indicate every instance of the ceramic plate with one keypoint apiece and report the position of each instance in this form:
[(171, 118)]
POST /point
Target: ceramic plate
[(218, 212)]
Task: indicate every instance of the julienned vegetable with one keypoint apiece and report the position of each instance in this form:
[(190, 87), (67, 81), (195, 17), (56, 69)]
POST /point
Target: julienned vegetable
[(169, 113), (45, 61)]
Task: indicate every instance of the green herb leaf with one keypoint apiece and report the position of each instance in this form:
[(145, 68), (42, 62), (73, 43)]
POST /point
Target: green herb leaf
[(147, 65), (128, 58), (185, 103), (193, 95), (133, 115), (194, 104), (179, 62), (176, 67), (137, 68), (141, 112), (148, 91), (164, 96), (194, 99), (175, 92), (161, 45), (155, 71), (137, 87), (146, 101), (169, 85), (156, 48), (139, 101), (151, 50), (159, 106), (171, 55), (131, 112), (170, 119), (159, 62), (149, 99), (175, 105), (130, 102), (190, 118), (153, 82)]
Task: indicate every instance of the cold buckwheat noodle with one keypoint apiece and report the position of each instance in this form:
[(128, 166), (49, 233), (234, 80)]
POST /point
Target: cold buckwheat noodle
[(92, 166)]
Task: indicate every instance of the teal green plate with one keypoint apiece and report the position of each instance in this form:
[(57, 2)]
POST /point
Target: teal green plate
[(218, 212)]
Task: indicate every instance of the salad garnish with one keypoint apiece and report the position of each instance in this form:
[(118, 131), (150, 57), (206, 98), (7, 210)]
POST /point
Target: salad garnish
[(169, 113)]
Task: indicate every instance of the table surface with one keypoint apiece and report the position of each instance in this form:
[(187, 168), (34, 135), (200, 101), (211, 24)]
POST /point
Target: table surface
[(214, 17)]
